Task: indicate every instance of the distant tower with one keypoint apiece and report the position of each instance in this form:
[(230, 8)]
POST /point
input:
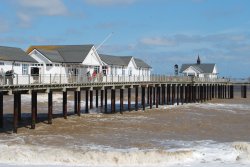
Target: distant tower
[(198, 60), (176, 69)]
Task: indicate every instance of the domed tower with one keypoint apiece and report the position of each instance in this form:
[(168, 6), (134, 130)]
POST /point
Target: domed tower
[(198, 60)]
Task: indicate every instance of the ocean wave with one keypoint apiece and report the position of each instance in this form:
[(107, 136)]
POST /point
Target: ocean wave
[(35, 155), (244, 151)]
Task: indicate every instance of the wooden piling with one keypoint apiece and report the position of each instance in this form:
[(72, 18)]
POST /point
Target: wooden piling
[(150, 98), (168, 94), (87, 101), (129, 99), (136, 98), (75, 101), (79, 103), (1, 110), (112, 100), (178, 93), (173, 94), (148, 95), (162, 94), (143, 98), (121, 101), (182, 94), (244, 91), (19, 107), (102, 91), (91, 98), (15, 114), (157, 96), (154, 94), (65, 104), (106, 100), (50, 106), (232, 91), (33, 109), (96, 98)]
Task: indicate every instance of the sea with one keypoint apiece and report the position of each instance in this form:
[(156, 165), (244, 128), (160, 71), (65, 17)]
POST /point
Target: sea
[(211, 134)]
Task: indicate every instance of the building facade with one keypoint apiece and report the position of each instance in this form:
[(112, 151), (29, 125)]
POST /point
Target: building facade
[(200, 70)]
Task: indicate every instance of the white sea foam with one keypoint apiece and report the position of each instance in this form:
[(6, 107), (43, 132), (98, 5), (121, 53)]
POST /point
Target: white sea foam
[(199, 153)]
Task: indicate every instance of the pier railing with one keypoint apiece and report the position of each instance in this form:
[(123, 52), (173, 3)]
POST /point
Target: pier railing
[(67, 79)]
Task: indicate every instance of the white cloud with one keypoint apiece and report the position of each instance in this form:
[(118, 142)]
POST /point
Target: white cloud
[(45, 7), (159, 41), (30, 9), (110, 2)]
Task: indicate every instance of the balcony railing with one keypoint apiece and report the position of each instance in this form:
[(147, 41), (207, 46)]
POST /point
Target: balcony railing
[(66, 79)]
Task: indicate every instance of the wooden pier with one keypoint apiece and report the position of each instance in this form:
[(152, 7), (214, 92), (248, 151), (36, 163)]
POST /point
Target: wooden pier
[(154, 92)]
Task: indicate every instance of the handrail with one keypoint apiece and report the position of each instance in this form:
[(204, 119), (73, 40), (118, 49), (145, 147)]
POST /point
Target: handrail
[(65, 79)]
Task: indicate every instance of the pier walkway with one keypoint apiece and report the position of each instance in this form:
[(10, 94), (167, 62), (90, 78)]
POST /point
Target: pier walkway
[(154, 90)]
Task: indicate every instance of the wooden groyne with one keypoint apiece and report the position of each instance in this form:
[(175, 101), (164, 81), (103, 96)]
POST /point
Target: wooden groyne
[(156, 91)]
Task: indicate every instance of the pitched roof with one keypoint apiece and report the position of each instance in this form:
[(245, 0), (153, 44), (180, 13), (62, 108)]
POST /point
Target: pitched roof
[(14, 54), (64, 53), (115, 60), (141, 63), (202, 68)]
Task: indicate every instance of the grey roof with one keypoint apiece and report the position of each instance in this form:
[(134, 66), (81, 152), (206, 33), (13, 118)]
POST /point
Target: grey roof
[(141, 63), (115, 60), (64, 53), (203, 68), (14, 54)]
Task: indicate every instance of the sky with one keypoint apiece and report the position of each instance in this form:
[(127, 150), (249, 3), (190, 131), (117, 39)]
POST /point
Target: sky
[(161, 32)]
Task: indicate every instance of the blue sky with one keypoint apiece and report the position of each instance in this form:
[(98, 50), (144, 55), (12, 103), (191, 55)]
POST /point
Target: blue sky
[(162, 32)]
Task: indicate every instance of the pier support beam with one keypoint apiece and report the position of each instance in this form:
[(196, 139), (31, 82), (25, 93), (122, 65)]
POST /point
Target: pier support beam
[(143, 98), (106, 100), (1, 110), (129, 99), (65, 104), (148, 95), (163, 95), (75, 102), (102, 91), (136, 98), (86, 101), (15, 114), (178, 93), (33, 109), (91, 99), (79, 103), (96, 98), (112, 100), (121, 100), (168, 94), (182, 94), (231, 91), (150, 98), (19, 107), (243, 91), (157, 96), (154, 100), (173, 94), (50, 106)]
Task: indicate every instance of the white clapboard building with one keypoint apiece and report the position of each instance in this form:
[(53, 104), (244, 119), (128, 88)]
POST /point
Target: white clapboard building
[(125, 68), (15, 65), (200, 70)]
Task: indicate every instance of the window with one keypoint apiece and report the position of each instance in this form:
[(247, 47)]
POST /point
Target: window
[(123, 71), (16, 64), (97, 69), (57, 65), (1, 63), (49, 65), (130, 71), (115, 70), (25, 68)]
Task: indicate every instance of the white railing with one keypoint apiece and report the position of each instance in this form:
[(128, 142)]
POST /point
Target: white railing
[(66, 79)]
